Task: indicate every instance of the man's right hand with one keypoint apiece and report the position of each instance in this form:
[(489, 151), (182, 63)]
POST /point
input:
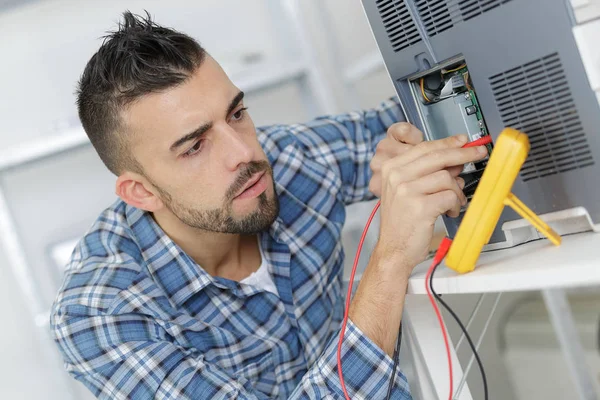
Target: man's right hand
[(418, 187)]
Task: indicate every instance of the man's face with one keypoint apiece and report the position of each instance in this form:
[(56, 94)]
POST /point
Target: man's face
[(198, 147)]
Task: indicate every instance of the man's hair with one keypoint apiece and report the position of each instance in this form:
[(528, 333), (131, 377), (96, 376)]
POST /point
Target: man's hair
[(139, 58)]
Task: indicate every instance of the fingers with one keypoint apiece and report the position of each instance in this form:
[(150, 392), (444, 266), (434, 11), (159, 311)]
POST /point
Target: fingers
[(435, 146), (375, 185), (387, 149), (446, 202), (404, 132), (433, 161), (438, 182), (456, 170), (452, 142)]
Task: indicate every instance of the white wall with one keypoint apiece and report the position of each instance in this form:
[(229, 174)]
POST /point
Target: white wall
[(46, 44), (44, 47)]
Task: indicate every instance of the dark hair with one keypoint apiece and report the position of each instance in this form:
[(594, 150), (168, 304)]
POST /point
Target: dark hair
[(140, 57)]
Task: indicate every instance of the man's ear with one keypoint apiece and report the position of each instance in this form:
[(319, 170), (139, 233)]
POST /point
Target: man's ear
[(136, 190)]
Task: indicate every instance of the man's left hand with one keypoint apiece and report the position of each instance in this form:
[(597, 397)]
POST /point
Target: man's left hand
[(400, 137)]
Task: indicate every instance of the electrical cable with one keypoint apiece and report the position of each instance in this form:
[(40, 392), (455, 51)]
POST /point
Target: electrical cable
[(462, 327), (348, 294), (466, 79), (437, 259), (471, 184), (453, 70), (396, 359), (439, 256), (423, 90), (396, 355)]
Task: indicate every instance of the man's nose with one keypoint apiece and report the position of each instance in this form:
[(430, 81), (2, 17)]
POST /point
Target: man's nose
[(236, 148)]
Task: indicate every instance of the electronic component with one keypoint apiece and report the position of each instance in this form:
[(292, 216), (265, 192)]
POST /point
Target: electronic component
[(492, 194), (451, 107), (452, 85), (458, 81), (469, 167), (448, 106), (532, 79)]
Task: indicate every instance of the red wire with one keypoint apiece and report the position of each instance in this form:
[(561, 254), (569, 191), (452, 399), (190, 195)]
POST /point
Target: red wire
[(439, 256), (479, 142), (339, 350)]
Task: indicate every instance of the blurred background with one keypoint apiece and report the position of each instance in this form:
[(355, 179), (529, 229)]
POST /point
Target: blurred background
[(295, 60)]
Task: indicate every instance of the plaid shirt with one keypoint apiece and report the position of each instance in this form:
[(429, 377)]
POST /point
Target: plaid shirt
[(137, 318)]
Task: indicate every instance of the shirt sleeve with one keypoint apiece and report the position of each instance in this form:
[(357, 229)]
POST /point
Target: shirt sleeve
[(130, 356), (346, 143), (366, 369)]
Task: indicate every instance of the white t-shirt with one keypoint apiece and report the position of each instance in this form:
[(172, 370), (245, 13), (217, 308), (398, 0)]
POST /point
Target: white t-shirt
[(261, 278)]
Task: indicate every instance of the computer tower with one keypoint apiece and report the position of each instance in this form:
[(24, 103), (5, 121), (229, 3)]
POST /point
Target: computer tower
[(477, 66)]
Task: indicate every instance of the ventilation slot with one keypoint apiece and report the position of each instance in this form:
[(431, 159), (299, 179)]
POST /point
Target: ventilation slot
[(400, 27), (535, 98), (441, 15)]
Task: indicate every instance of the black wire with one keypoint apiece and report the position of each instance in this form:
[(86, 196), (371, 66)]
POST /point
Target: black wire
[(462, 327), (519, 244), (471, 184), (396, 361)]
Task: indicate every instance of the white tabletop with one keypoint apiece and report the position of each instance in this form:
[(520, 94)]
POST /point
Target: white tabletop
[(532, 266)]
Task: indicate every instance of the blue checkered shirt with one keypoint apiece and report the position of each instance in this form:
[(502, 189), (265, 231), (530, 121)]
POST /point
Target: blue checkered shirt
[(137, 318)]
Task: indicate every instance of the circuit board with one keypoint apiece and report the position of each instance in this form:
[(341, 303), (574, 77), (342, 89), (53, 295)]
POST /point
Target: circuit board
[(447, 103)]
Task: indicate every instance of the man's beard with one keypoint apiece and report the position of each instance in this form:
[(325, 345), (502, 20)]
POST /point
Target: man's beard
[(221, 219)]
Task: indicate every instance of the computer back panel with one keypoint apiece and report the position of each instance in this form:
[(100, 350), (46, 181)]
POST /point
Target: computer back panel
[(493, 64)]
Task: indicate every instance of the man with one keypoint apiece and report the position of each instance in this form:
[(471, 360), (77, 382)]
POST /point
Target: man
[(217, 274)]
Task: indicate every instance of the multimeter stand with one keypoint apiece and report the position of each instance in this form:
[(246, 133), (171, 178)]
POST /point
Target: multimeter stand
[(513, 202)]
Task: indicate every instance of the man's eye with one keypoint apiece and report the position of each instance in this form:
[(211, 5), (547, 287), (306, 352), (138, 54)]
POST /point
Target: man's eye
[(194, 149), (239, 115)]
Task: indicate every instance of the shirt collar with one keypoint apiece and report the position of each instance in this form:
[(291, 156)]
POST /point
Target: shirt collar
[(170, 267)]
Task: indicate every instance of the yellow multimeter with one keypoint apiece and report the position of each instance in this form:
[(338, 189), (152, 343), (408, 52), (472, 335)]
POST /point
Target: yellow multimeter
[(491, 195)]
